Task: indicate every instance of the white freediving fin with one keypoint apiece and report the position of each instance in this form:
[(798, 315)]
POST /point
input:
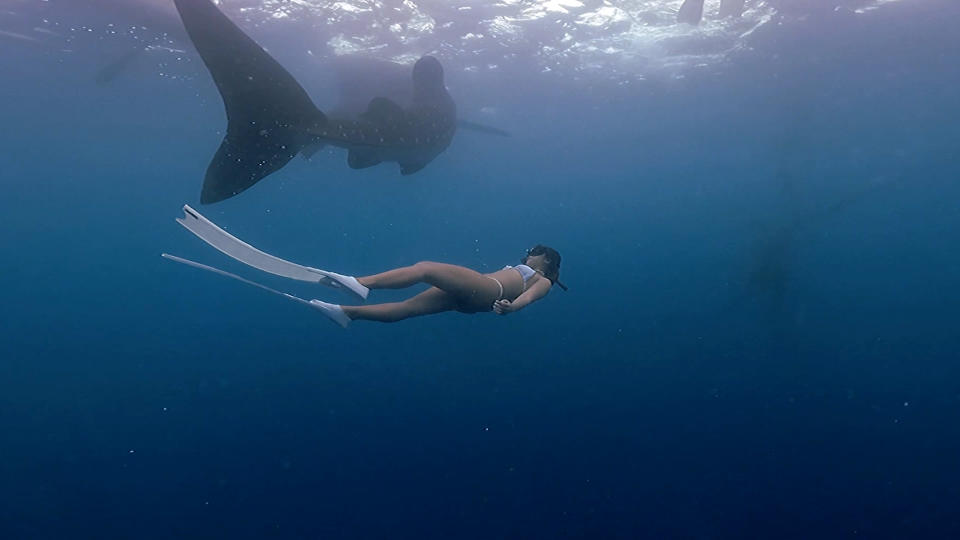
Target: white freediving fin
[(332, 311), (195, 264), (232, 246)]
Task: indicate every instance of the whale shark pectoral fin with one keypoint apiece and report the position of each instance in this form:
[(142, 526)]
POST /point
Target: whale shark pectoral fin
[(362, 158), (267, 109), (383, 111), (410, 167)]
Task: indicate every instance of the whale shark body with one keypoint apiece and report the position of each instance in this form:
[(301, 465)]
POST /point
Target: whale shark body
[(270, 117)]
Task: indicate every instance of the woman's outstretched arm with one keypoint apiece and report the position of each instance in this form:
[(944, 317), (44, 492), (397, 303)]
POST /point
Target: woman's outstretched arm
[(531, 295)]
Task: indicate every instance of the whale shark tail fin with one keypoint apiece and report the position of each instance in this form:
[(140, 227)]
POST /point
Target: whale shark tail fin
[(267, 109)]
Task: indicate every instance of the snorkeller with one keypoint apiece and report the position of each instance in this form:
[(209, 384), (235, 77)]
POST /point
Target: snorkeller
[(456, 288), (453, 288)]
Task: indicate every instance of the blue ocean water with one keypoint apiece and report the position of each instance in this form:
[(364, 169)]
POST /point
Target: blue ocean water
[(759, 341)]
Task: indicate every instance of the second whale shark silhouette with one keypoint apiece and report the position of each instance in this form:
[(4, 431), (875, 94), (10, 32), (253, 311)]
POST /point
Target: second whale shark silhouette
[(270, 117)]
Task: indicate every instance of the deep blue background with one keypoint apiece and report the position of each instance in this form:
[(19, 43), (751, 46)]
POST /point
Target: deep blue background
[(667, 395)]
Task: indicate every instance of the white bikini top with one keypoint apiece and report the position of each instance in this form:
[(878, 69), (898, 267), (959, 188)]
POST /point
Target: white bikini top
[(525, 272)]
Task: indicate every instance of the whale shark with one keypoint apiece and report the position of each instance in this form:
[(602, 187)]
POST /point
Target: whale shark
[(361, 79), (271, 118), (772, 264)]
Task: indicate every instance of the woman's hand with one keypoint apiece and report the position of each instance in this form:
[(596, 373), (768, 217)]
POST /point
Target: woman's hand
[(502, 307)]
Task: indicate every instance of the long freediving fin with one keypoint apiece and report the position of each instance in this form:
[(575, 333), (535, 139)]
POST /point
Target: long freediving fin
[(195, 264), (233, 247), (332, 311), (481, 128), (267, 109)]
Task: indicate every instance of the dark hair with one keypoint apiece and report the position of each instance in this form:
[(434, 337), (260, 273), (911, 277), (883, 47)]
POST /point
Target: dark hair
[(551, 259)]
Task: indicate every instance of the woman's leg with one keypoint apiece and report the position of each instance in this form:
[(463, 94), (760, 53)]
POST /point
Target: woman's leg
[(428, 302), (398, 278), (461, 282)]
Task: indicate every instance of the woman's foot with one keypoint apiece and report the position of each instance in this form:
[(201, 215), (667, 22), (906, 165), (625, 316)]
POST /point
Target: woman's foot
[(333, 311), (340, 281)]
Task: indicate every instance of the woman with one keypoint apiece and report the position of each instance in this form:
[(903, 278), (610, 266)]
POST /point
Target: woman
[(455, 288)]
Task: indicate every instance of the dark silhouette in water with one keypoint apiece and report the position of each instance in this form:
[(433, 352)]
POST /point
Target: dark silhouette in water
[(114, 69), (270, 117), (732, 8), (154, 20), (691, 11), (119, 66), (361, 79), (773, 261)]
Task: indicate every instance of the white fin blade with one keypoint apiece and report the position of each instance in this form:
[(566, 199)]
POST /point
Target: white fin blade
[(195, 264), (237, 249)]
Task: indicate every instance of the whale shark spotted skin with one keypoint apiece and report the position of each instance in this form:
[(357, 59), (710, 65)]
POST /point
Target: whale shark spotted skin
[(411, 136), (270, 117)]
